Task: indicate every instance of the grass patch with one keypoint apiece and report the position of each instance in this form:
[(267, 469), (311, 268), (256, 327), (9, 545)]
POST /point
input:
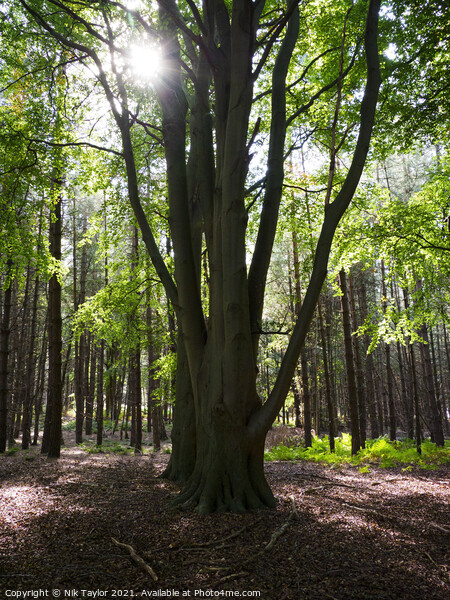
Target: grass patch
[(380, 452), (108, 447)]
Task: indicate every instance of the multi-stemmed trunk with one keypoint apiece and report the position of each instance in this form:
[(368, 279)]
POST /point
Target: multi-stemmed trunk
[(217, 353)]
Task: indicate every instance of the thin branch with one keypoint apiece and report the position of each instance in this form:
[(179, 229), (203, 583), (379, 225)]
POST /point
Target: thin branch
[(67, 144), (274, 37), (324, 89), (35, 71), (197, 17)]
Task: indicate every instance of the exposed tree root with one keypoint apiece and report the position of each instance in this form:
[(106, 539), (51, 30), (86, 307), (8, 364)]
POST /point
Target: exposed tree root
[(223, 493), (137, 559)]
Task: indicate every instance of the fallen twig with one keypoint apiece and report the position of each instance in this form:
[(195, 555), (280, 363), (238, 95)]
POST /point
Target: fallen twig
[(279, 532), (229, 578), (436, 526), (225, 539), (137, 559), (322, 485)]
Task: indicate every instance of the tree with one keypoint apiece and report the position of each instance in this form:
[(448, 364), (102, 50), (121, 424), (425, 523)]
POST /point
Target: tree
[(224, 48), (4, 355), (350, 365)]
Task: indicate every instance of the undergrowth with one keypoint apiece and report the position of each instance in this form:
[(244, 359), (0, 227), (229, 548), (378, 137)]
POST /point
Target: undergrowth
[(108, 447), (380, 452)]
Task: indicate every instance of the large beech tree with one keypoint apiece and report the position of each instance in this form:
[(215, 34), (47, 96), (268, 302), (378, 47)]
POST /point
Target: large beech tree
[(217, 58)]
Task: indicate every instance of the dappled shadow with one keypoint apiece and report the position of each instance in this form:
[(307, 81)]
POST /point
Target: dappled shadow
[(381, 535)]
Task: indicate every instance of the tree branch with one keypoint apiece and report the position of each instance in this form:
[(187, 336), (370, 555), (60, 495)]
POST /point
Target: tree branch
[(264, 417)]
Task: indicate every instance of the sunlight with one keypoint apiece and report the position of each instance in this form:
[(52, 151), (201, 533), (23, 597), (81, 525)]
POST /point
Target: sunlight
[(146, 62), (133, 4)]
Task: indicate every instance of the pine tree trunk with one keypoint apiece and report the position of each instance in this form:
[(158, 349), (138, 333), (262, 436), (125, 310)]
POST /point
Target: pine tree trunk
[(416, 400), (350, 365), (330, 405), (360, 383), (387, 349), (100, 407), (28, 401), (55, 340), (408, 405), (369, 367), (91, 389), (442, 385), (38, 398), (4, 356), (307, 422), (435, 419)]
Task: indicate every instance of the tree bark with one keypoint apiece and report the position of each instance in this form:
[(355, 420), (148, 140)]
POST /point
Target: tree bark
[(100, 403), (55, 340), (435, 419), (29, 380), (329, 401), (360, 383), (387, 350), (4, 355), (350, 365)]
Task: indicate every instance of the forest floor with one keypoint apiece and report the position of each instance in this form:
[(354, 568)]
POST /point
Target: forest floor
[(378, 535)]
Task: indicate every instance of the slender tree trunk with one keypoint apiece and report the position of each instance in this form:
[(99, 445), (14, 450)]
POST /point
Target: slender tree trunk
[(152, 403), (307, 422), (443, 387), (408, 406), (350, 365), (330, 406), (4, 355), (39, 393), (387, 349), (416, 400), (55, 340), (100, 407), (369, 367), (435, 419), (91, 390), (28, 401), (360, 383)]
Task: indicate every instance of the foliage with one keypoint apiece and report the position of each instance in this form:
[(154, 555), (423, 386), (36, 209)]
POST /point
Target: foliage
[(380, 452), (108, 447)]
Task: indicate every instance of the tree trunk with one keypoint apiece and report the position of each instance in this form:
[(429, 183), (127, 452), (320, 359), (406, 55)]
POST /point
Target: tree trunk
[(360, 383), (4, 355), (387, 349), (55, 340), (184, 430), (330, 405), (100, 407), (435, 419), (416, 400), (350, 365), (78, 358), (91, 392), (369, 368), (29, 380), (306, 395), (40, 385)]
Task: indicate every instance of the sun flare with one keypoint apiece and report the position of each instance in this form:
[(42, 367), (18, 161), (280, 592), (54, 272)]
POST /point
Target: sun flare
[(146, 62)]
